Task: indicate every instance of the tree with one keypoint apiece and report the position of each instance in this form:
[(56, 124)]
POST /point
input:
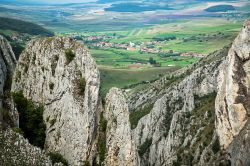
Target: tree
[(152, 61)]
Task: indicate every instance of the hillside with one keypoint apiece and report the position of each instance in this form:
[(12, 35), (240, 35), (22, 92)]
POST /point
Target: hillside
[(220, 8), (18, 32), (23, 27)]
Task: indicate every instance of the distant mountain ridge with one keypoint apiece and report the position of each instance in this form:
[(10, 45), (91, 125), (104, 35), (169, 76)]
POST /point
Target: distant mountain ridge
[(23, 27)]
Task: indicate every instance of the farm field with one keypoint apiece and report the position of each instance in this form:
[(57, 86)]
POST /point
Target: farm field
[(191, 36), (169, 29), (201, 35), (117, 58)]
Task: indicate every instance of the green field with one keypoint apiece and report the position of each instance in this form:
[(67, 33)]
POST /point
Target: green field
[(121, 78), (198, 36), (119, 58), (211, 34)]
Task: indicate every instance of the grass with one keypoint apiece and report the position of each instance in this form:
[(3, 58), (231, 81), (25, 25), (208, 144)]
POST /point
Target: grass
[(188, 28), (120, 78), (201, 35), (23, 27)]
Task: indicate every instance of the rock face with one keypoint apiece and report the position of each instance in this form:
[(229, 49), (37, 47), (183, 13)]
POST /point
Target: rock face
[(233, 100), (15, 150), (179, 127), (7, 65), (198, 116), (60, 74), (120, 144)]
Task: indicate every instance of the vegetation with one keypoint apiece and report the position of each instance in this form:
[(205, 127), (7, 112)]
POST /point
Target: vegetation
[(70, 55), (125, 78), (135, 7), (82, 85), (31, 119), (203, 112), (101, 145), (152, 61), (57, 158), (216, 146), (86, 163), (23, 27), (17, 130), (165, 37), (6, 117), (135, 116), (145, 147)]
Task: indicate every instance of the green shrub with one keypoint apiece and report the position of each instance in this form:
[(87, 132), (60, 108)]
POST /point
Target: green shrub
[(177, 162), (31, 120), (82, 85), (18, 75), (216, 146), (135, 116), (70, 55), (17, 130), (145, 147), (101, 146), (86, 163), (57, 158)]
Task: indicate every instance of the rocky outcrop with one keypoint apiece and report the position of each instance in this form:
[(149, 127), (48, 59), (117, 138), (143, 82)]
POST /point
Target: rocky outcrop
[(7, 64), (232, 103), (179, 127), (60, 74), (7, 67), (15, 150), (120, 144)]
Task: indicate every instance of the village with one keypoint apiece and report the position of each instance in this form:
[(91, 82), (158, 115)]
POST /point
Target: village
[(103, 42)]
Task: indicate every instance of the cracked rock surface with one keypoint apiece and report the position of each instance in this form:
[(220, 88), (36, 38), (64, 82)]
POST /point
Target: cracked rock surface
[(60, 74)]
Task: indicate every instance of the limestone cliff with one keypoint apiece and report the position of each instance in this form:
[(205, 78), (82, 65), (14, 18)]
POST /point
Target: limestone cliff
[(60, 74), (7, 67), (120, 144), (232, 105), (233, 99), (15, 150), (179, 125)]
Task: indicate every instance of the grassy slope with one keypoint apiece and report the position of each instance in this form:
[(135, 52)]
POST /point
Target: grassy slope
[(23, 27), (124, 77)]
